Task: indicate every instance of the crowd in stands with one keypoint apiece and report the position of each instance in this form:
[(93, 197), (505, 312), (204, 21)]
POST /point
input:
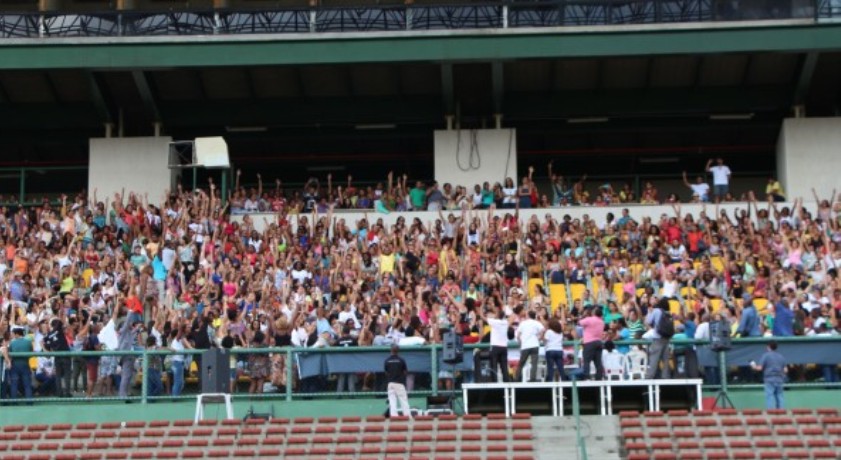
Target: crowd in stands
[(174, 272), (396, 194)]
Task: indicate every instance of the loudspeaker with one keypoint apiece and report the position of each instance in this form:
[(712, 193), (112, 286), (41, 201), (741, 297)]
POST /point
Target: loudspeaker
[(720, 335), (453, 348), (215, 371), (482, 372)]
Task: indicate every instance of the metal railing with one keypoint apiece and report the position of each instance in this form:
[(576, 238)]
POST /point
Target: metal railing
[(475, 15), (291, 368)]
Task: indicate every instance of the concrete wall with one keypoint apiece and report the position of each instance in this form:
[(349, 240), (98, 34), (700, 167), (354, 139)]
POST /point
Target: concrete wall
[(138, 164), (809, 155), (597, 213), (494, 156)]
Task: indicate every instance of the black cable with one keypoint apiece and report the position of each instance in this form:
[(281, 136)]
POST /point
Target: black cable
[(508, 160), (473, 153)]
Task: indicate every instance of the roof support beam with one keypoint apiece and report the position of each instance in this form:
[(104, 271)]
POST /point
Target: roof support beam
[(146, 94), (4, 95), (447, 88), (52, 86), (498, 82), (97, 96), (804, 78)]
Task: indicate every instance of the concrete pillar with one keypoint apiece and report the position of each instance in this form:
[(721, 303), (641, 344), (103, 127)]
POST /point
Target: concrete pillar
[(807, 156)]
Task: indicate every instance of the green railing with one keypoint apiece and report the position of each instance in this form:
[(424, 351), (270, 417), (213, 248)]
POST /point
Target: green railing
[(434, 350)]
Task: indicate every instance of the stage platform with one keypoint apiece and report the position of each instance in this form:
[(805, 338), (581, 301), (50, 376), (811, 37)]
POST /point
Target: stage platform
[(602, 397)]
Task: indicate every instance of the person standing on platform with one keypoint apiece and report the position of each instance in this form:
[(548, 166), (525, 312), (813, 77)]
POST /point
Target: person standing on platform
[(662, 329), (499, 344), (721, 178), (396, 371), (592, 327), (774, 369), (528, 334)]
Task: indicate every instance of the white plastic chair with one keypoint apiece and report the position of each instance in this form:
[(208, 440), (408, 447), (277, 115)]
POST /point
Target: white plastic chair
[(636, 364), (614, 365)]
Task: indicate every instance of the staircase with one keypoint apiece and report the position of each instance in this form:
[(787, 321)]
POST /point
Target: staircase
[(555, 437)]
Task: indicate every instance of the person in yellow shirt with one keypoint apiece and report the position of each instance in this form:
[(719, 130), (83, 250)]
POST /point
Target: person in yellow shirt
[(774, 190), (386, 259)]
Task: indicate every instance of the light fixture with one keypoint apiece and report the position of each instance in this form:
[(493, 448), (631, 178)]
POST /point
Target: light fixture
[(658, 160), (325, 168), (375, 126), (588, 120), (731, 116), (246, 129)]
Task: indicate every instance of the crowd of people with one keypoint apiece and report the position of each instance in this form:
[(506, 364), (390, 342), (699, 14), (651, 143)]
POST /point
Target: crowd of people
[(397, 194), (174, 272)]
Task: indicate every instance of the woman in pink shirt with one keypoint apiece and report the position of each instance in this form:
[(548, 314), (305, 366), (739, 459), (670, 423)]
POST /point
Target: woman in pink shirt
[(592, 327)]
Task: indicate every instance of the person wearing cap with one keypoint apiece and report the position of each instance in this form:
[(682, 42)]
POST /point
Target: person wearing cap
[(396, 370), (773, 367)]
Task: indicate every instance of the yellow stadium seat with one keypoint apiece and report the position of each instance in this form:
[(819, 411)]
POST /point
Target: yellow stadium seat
[(640, 292), (532, 283), (717, 263), (33, 363), (596, 284), (635, 269), (750, 288), (685, 292), (558, 295), (696, 265), (577, 291), (674, 307), (716, 304), (761, 305)]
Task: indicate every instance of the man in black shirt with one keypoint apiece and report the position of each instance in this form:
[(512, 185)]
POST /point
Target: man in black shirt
[(346, 380), (395, 371), (57, 341)]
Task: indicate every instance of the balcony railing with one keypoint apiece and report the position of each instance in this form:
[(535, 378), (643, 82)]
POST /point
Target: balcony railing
[(306, 370), (393, 18)]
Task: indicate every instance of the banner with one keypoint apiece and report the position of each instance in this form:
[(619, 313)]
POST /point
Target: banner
[(418, 361), (812, 352)]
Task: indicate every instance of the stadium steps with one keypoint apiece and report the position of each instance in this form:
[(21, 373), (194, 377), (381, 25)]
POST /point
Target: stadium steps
[(555, 437), (730, 434), (471, 437)]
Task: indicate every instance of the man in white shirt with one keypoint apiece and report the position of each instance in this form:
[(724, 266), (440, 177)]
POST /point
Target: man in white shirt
[(528, 334), (499, 344), (699, 188), (721, 178)]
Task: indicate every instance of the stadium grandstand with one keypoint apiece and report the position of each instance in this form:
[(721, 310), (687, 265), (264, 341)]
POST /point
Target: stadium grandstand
[(555, 229)]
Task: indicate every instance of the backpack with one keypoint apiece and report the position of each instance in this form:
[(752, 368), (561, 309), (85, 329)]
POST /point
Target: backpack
[(666, 326)]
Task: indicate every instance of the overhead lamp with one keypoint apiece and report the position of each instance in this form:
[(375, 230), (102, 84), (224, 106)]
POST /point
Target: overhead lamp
[(731, 116), (246, 129), (375, 126), (583, 120), (658, 160)]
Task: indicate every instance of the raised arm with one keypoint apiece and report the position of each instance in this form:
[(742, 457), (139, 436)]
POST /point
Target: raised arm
[(686, 180)]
